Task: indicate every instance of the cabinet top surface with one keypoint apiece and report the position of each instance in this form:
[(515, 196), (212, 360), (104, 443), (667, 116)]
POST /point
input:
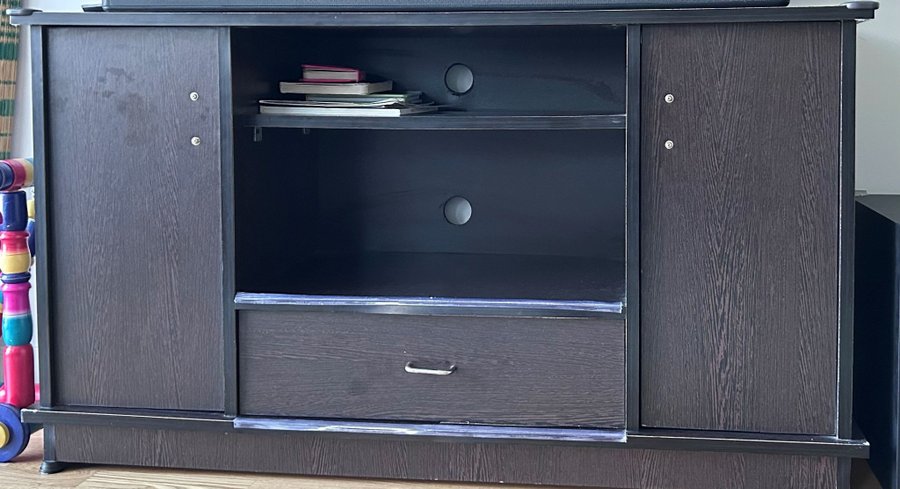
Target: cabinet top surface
[(455, 18)]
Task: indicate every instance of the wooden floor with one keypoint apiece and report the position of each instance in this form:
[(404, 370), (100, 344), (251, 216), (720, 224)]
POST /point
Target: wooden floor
[(23, 473)]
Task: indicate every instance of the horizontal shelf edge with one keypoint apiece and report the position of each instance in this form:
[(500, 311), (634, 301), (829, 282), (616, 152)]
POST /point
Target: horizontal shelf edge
[(434, 430), (439, 122), (177, 420), (748, 442), (425, 305), (655, 439)]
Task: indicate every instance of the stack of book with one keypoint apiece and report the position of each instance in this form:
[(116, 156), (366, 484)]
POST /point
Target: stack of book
[(337, 91)]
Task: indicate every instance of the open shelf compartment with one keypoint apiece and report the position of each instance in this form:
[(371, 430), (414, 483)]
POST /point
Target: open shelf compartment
[(347, 215), (521, 77), (364, 214)]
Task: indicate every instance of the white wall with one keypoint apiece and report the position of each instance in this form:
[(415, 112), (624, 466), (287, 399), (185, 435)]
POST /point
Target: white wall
[(878, 99), (22, 142)]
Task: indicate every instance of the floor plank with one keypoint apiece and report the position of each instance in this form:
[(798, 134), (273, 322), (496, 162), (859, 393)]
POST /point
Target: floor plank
[(115, 479), (24, 473)]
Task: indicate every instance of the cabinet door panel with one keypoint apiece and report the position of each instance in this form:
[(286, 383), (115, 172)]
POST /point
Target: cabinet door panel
[(134, 217), (739, 238)]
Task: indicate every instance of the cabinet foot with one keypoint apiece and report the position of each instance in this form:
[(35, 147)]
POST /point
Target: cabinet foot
[(52, 467)]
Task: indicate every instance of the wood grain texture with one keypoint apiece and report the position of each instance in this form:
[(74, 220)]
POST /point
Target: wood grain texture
[(740, 227), (135, 214), (24, 472), (540, 372), (667, 439), (486, 463)]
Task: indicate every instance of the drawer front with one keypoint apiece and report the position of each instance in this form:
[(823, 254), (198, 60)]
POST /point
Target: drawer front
[(532, 372)]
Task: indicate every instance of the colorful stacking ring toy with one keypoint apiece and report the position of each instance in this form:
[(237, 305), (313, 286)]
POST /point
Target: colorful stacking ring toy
[(16, 251)]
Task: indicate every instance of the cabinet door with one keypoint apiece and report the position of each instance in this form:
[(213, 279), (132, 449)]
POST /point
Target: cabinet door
[(135, 217), (740, 226)]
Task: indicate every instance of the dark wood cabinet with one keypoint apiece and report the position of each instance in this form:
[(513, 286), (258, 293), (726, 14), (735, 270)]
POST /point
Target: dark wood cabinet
[(135, 214), (652, 290), (740, 226)]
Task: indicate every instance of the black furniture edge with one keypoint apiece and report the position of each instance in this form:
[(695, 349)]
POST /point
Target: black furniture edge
[(847, 233), (412, 5), (49, 436), (135, 418), (460, 19), (480, 433), (428, 306), (749, 443), (229, 313), (642, 439), (452, 121), (633, 230), (647, 439), (43, 273)]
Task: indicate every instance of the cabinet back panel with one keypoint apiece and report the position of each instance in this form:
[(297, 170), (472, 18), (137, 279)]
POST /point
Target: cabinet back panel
[(134, 218), (539, 193), (739, 219), (275, 192)]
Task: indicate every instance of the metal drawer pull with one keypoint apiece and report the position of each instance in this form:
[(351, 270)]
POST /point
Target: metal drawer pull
[(410, 368)]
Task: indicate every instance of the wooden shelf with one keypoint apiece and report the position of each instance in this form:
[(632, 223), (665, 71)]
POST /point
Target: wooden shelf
[(429, 305), (447, 121)]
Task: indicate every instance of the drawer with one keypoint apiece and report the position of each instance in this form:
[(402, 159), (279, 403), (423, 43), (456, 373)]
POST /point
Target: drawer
[(510, 371)]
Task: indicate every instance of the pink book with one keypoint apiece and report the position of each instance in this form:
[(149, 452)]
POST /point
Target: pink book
[(331, 74)]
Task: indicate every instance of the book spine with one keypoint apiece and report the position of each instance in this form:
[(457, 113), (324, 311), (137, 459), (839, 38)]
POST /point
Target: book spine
[(327, 76), (329, 80)]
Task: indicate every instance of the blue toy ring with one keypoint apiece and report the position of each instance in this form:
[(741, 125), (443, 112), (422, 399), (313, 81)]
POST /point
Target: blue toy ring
[(19, 433)]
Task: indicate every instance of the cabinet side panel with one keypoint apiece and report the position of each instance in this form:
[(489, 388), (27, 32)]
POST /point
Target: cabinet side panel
[(877, 390), (740, 226), (135, 234)]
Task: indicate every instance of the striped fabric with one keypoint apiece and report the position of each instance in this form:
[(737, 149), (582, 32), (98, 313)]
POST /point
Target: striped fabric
[(9, 55)]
